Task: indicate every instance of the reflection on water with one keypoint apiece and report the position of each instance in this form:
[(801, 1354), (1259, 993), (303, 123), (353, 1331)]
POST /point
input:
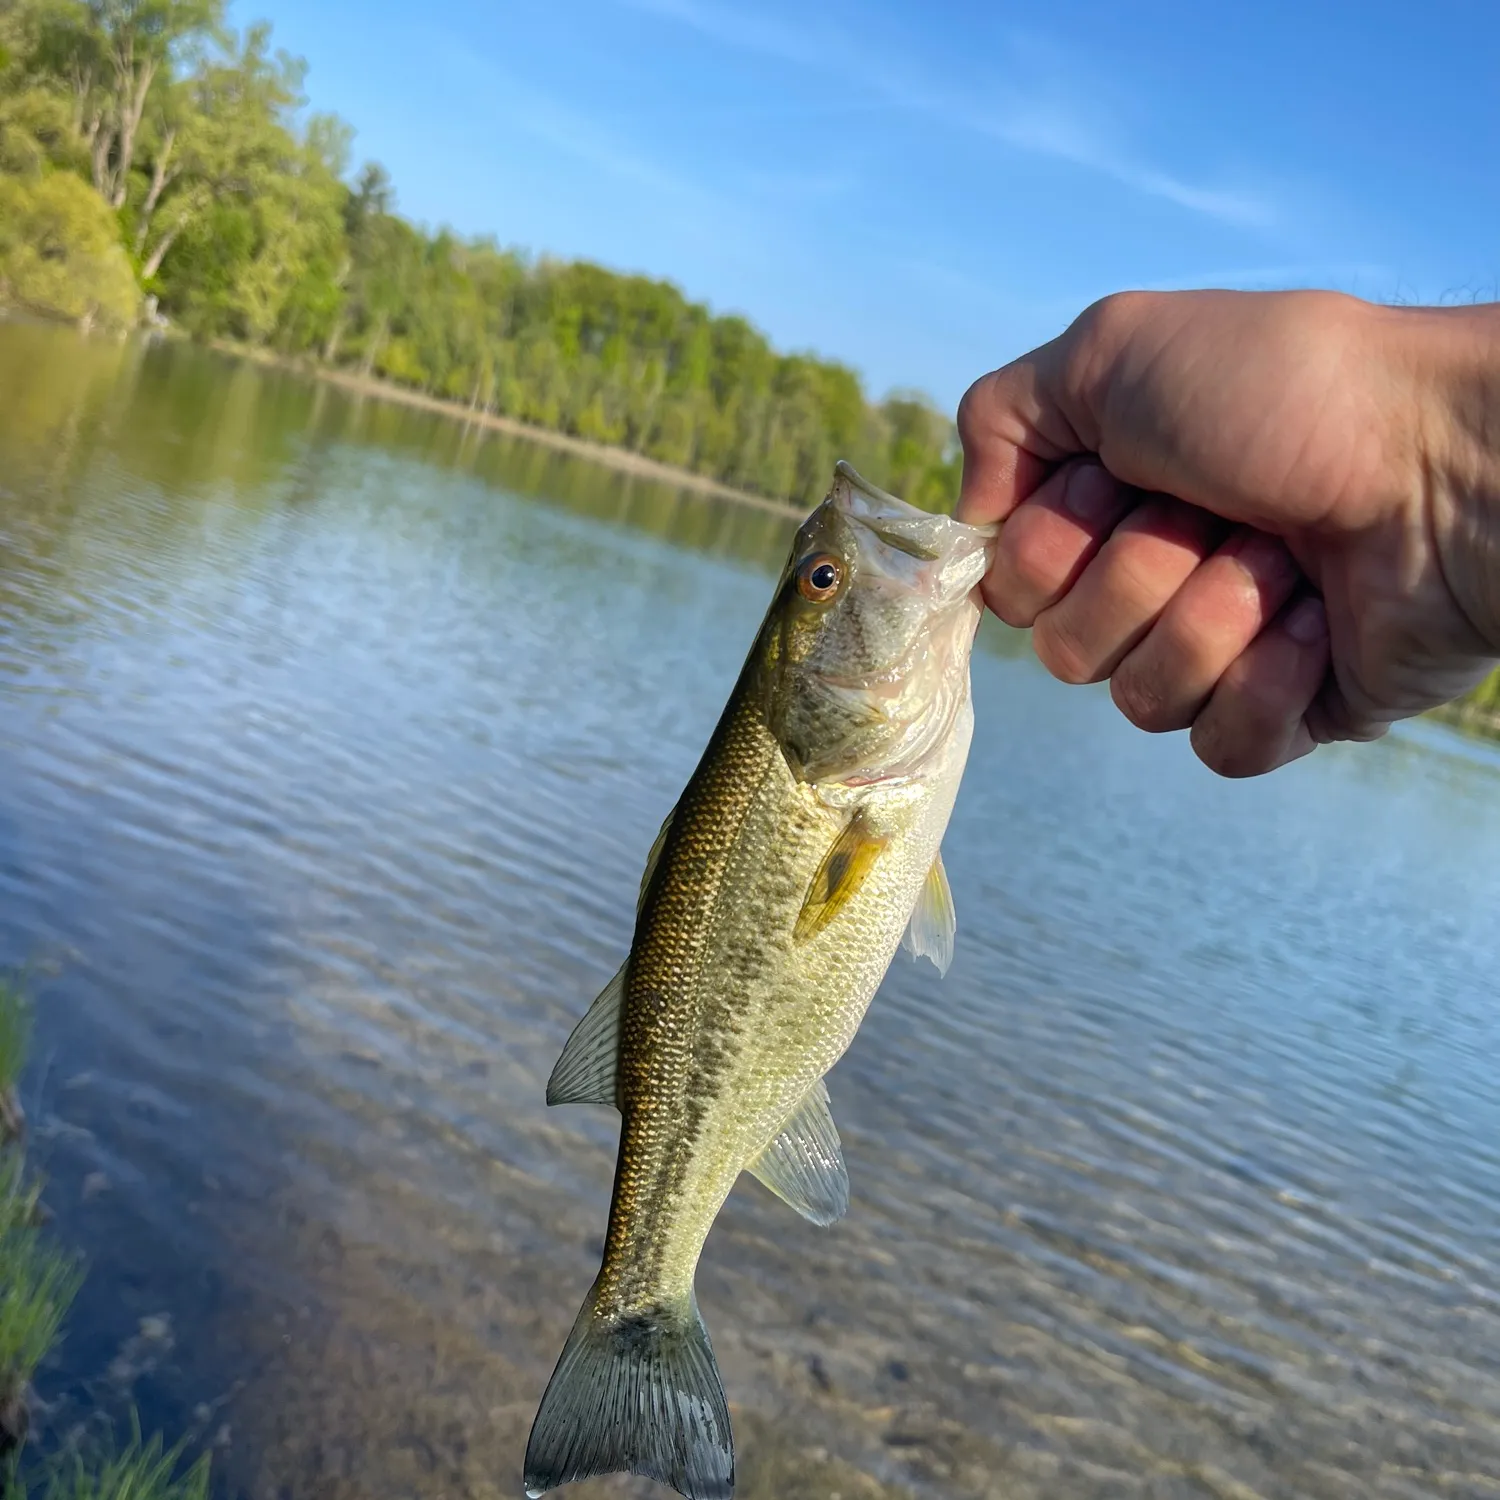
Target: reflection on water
[(332, 736)]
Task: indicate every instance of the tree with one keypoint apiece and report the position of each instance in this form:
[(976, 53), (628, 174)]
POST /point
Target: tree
[(60, 253), (239, 220), (127, 44)]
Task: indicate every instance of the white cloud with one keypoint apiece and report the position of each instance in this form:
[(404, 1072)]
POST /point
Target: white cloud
[(1041, 129), (1041, 126), (739, 29)]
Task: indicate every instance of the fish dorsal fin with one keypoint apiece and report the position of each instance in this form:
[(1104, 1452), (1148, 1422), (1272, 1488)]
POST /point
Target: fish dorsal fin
[(585, 1073), (842, 872), (653, 858), (929, 934), (804, 1166)]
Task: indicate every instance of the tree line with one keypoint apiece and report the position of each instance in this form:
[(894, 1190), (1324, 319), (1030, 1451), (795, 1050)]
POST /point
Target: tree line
[(155, 163)]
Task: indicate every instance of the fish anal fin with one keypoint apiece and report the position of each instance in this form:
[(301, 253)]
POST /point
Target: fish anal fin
[(585, 1072), (929, 934), (804, 1165)]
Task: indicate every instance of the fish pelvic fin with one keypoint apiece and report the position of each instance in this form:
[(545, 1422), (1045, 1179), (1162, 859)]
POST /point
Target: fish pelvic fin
[(635, 1393), (929, 934)]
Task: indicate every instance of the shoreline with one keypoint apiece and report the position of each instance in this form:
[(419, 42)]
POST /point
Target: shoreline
[(622, 459), (1475, 719), (1468, 718)]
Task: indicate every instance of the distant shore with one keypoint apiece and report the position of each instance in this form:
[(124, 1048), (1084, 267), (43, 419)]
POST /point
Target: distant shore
[(624, 459), (1469, 717)]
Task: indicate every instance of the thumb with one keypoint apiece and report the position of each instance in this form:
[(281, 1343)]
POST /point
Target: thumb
[(1014, 432)]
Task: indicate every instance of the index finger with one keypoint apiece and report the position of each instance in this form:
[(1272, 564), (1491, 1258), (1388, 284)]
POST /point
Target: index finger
[(1014, 433)]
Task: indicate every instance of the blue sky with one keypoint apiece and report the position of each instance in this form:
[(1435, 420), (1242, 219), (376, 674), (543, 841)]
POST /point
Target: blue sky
[(927, 189)]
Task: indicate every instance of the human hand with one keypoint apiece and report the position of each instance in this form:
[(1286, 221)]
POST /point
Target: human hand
[(1271, 517)]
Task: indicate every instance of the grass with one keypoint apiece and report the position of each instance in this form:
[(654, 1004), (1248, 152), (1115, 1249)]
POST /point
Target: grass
[(38, 1282), (37, 1285), (139, 1471), (15, 1037)]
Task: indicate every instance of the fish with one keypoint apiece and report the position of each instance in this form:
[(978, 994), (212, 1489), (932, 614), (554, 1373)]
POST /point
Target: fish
[(804, 850)]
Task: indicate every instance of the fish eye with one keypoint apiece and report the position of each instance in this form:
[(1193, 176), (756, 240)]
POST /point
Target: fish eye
[(819, 577)]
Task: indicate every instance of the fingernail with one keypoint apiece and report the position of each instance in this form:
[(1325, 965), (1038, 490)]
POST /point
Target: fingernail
[(1090, 492), (1307, 622)]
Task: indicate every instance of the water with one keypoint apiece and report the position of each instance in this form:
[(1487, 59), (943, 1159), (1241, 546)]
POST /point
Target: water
[(332, 738)]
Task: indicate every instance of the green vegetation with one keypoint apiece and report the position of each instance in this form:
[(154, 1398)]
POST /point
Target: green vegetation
[(151, 157), (37, 1286), (60, 253), (140, 1471), (1478, 710), (15, 1036)]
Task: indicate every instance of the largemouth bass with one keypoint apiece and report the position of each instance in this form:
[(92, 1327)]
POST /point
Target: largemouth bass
[(803, 848)]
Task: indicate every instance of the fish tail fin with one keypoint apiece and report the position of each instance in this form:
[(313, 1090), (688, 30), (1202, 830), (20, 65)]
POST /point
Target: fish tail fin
[(635, 1393)]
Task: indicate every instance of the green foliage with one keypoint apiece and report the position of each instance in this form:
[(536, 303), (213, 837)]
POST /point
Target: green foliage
[(1478, 710), (189, 146), (1486, 697), (139, 1471), (37, 1283), (60, 252)]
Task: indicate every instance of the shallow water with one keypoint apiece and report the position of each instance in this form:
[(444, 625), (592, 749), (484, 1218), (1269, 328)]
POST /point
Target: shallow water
[(332, 737)]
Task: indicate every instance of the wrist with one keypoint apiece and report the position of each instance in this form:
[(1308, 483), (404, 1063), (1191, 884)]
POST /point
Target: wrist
[(1451, 358)]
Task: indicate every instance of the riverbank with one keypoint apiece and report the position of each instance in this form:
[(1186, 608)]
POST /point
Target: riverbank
[(623, 459), (38, 1282)]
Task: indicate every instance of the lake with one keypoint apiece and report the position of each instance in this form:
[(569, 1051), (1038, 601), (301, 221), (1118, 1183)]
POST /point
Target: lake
[(332, 739)]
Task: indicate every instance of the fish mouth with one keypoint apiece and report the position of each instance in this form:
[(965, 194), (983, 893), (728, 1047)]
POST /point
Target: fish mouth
[(843, 469), (929, 553)]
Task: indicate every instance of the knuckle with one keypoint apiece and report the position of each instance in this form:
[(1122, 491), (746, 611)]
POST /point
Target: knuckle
[(1112, 318), (1015, 612), (1028, 554), (1059, 650), (1137, 572), (1263, 703), (1139, 696), (971, 416), (1232, 756)]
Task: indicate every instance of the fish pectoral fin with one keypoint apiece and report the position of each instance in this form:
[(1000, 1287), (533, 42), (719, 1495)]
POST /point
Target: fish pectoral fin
[(804, 1165), (842, 872), (929, 934), (653, 858), (585, 1073)]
